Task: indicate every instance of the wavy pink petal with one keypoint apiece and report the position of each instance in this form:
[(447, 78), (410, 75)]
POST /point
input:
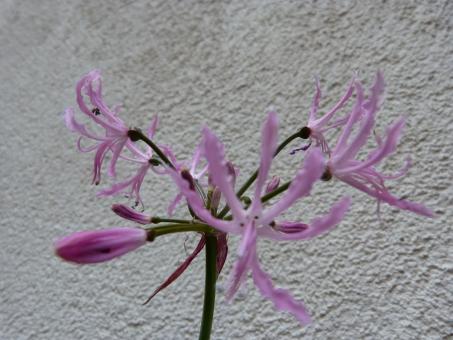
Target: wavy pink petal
[(219, 172), (281, 298), (315, 228), (269, 139), (241, 266), (315, 102), (301, 185)]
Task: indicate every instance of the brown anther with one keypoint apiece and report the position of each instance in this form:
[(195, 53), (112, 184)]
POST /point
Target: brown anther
[(96, 111), (185, 174)]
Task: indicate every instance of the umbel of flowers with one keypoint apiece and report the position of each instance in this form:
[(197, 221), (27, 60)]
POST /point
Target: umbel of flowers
[(209, 179)]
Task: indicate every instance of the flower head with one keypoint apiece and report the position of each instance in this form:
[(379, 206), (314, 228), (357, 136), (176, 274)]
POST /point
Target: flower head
[(100, 245), (115, 135), (257, 220), (362, 174)]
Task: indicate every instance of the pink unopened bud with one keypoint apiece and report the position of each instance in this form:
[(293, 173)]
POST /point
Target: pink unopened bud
[(289, 227), (101, 245), (130, 214), (273, 184)]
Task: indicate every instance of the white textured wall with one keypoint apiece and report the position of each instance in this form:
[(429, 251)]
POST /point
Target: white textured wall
[(222, 63)]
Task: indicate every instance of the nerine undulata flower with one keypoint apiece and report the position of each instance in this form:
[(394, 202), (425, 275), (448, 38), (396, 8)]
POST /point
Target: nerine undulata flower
[(114, 137), (144, 158), (362, 174), (317, 126), (99, 245), (258, 221)]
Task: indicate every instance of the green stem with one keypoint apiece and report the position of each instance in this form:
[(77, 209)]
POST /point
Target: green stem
[(276, 192), (252, 178), (178, 228), (137, 134), (157, 220), (209, 289)]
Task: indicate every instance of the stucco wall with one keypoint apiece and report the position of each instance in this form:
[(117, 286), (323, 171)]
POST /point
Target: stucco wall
[(223, 64)]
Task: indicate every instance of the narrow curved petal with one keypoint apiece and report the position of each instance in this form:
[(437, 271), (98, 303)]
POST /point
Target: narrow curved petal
[(197, 204), (386, 148), (153, 127), (281, 298), (117, 147), (301, 185), (350, 151), (133, 183), (74, 126), (81, 85), (315, 102), (219, 172), (269, 139), (177, 273), (315, 228), (377, 89), (85, 149), (174, 203), (385, 196), (99, 159), (355, 116), (241, 266), (326, 118)]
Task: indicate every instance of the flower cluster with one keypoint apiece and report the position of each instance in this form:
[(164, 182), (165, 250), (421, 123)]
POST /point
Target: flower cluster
[(209, 179)]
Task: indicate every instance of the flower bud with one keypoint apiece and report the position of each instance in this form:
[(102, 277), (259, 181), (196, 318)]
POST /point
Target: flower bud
[(273, 184), (100, 245), (130, 214)]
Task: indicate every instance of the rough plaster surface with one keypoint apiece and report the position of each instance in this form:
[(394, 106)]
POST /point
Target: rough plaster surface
[(224, 64)]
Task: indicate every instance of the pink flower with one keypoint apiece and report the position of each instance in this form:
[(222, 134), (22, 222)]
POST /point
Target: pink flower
[(257, 220), (133, 184), (363, 175), (316, 127), (115, 135), (99, 246)]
